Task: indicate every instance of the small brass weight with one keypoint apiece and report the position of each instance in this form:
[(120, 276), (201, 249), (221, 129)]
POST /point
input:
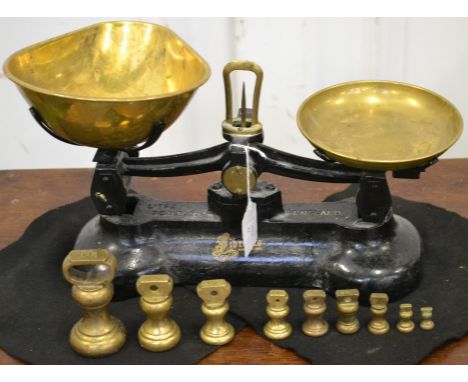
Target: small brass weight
[(379, 325), (347, 305), (426, 318), (314, 307), (277, 328), (159, 332), (406, 324), (214, 294), (91, 273)]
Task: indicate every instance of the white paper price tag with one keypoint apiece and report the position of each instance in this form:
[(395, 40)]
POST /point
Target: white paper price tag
[(249, 220), (249, 227)]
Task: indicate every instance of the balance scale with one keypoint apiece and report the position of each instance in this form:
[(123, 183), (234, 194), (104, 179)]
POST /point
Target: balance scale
[(85, 89)]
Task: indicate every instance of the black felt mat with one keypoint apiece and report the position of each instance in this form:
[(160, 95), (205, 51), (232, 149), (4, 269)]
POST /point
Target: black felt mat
[(36, 311)]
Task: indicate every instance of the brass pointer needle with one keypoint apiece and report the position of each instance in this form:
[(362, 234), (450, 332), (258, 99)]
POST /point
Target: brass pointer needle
[(243, 108)]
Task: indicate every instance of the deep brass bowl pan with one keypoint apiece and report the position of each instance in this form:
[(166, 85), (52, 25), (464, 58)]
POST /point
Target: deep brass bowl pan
[(379, 125), (106, 85)]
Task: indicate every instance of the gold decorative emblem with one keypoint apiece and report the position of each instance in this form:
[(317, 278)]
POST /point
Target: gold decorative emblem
[(227, 248)]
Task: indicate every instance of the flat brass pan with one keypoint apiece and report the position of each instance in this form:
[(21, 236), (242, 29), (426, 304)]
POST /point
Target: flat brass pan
[(107, 85), (379, 125)]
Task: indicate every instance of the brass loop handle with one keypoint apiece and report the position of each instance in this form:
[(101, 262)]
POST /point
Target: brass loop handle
[(89, 267), (247, 66)]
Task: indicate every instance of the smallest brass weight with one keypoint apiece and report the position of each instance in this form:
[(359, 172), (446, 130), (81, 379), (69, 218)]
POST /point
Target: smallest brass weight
[(277, 328), (314, 307), (214, 294), (406, 324), (426, 318), (379, 325), (159, 332), (91, 273), (347, 304)]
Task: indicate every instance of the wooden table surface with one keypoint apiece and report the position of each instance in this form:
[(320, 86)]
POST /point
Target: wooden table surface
[(27, 194)]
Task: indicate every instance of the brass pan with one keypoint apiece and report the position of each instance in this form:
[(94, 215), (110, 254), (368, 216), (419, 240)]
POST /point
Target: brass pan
[(106, 85), (379, 125)]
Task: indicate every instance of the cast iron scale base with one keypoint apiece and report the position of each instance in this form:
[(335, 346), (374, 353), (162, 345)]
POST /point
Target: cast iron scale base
[(355, 243)]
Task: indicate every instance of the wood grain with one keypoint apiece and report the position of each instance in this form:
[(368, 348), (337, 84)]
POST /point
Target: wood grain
[(248, 348), (27, 194)]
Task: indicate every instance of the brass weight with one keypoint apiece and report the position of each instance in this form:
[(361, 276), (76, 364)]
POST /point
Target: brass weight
[(426, 318), (314, 307), (159, 332), (379, 325), (91, 273), (406, 324), (347, 304), (214, 294), (277, 328)]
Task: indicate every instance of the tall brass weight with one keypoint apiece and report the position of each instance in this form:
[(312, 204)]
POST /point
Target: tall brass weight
[(214, 294), (159, 332), (91, 273), (379, 325), (347, 304), (314, 307), (277, 328)]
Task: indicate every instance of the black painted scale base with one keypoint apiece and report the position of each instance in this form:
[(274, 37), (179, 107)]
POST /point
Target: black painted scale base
[(323, 245)]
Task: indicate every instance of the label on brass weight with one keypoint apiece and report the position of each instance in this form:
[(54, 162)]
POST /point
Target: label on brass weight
[(227, 248), (88, 255)]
